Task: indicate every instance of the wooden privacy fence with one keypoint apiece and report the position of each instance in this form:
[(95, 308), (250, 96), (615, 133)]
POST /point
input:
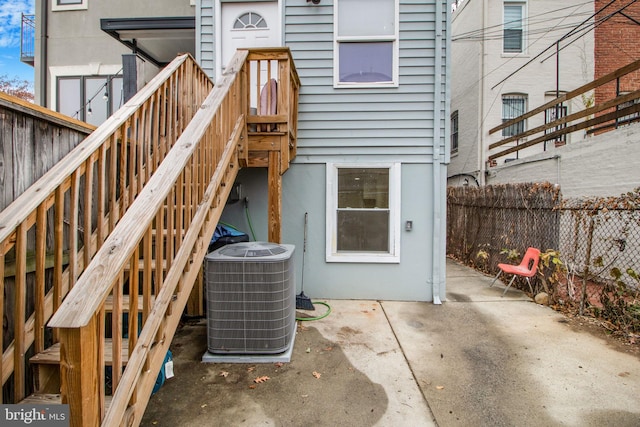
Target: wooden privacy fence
[(607, 115), (49, 234), (32, 140), (148, 264)]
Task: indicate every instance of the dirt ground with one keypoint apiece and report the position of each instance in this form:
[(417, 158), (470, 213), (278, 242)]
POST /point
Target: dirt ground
[(305, 391), (596, 328)]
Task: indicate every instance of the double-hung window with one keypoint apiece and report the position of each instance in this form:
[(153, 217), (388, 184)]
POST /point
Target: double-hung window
[(513, 33), (363, 205), (366, 43)]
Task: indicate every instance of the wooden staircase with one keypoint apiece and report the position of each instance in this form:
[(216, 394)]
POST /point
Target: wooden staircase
[(135, 203)]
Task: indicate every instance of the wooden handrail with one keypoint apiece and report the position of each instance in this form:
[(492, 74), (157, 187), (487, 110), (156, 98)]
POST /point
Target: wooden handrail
[(170, 225), (587, 118), (629, 68), (70, 210), (182, 202), (200, 168)]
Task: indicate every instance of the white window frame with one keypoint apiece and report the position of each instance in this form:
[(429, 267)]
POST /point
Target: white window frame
[(332, 254), (74, 71), (396, 51), (55, 7), (525, 20)]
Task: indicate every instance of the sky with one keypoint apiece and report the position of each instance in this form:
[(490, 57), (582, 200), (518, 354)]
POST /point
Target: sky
[(10, 20)]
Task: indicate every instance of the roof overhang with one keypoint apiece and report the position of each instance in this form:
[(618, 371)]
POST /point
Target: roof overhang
[(157, 40)]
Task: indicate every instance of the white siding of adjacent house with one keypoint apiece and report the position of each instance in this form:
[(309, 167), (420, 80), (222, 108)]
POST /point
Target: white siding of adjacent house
[(478, 86), (465, 93)]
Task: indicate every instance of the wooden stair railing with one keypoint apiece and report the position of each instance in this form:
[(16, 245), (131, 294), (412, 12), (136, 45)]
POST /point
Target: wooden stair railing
[(608, 114), (183, 202), (49, 234)]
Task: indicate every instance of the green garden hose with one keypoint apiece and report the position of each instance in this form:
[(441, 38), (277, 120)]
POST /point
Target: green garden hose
[(325, 314)]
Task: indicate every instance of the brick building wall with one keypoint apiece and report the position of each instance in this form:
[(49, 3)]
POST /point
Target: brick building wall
[(616, 45)]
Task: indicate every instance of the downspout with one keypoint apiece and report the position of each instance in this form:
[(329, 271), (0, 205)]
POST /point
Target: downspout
[(482, 165), (436, 271), (44, 19)]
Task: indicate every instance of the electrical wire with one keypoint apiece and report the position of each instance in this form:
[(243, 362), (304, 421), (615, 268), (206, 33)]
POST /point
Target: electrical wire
[(569, 34), (246, 211), (479, 34)]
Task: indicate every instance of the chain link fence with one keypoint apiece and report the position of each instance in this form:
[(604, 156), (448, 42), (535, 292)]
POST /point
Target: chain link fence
[(590, 262)]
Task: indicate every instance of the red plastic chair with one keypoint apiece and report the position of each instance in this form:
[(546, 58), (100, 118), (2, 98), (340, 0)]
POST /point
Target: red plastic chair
[(527, 268)]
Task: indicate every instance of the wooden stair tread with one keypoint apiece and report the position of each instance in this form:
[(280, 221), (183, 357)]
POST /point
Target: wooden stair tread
[(141, 265), (108, 305), (52, 399), (268, 133), (51, 355), (42, 399)]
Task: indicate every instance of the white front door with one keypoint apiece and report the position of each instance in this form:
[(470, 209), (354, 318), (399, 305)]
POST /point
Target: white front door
[(254, 24)]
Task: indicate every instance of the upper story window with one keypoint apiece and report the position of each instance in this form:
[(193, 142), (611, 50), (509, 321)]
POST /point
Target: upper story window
[(513, 106), (513, 35), (89, 98), (454, 132), (60, 5), (366, 43)]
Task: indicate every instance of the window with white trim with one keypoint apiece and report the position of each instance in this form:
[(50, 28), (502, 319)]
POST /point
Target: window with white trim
[(513, 30), (513, 105), (363, 204), (366, 43), (89, 98), (61, 5)]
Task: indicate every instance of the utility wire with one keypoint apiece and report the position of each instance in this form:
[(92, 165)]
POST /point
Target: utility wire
[(499, 27), (570, 33)]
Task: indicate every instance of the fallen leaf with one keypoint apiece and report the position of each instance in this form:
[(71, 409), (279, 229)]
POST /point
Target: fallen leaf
[(328, 349), (251, 368), (261, 379), (224, 374), (316, 374), (440, 387), (252, 386), (279, 364)]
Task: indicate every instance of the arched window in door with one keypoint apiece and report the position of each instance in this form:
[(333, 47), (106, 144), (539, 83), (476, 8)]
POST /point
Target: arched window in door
[(249, 20)]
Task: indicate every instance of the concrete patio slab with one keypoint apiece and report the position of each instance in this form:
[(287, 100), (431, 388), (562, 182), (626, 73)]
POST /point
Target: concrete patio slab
[(478, 359)]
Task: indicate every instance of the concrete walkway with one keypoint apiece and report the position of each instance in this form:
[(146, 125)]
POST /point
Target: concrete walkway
[(477, 360)]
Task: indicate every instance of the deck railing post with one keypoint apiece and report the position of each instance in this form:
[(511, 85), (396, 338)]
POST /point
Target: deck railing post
[(80, 385)]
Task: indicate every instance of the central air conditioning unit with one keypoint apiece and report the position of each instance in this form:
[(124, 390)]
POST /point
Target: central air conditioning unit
[(250, 298)]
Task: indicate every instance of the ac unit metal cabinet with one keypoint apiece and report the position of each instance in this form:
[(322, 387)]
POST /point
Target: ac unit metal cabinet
[(250, 298)]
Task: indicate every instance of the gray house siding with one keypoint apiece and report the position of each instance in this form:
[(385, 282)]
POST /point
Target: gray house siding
[(366, 125), (396, 122), (304, 188), (205, 36)]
